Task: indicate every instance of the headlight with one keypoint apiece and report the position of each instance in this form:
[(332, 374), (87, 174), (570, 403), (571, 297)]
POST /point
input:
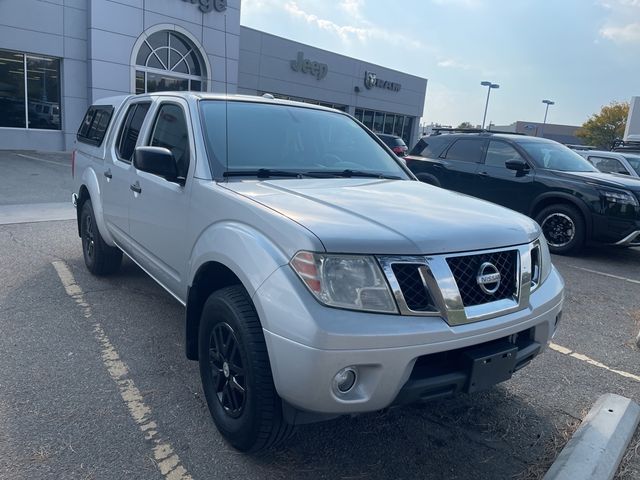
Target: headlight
[(345, 281), (620, 197), (540, 262)]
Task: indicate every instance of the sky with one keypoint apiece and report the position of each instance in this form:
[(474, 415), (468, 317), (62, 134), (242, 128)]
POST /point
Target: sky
[(582, 54)]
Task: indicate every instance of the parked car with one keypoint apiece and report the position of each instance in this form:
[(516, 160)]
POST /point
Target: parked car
[(395, 143), (319, 277), (571, 200), (613, 162), (622, 146)]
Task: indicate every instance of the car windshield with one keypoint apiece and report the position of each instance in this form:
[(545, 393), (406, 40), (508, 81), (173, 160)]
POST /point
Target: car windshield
[(634, 162), (556, 156), (276, 140)]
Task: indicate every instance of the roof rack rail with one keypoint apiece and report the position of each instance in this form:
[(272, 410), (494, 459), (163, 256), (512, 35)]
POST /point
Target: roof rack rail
[(618, 143), (580, 147), (440, 130)]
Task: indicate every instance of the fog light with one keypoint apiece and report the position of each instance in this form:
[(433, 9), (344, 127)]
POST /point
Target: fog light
[(344, 380)]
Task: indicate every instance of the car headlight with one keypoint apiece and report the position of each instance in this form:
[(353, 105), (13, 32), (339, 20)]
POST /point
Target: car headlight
[(540, 262), (354, 282), (620, 197)]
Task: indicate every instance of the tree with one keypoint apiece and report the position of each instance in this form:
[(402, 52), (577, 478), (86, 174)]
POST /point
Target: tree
[(603, 128), (465, 125)]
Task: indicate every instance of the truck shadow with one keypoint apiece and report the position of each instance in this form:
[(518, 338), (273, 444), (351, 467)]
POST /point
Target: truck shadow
[(494, 434)]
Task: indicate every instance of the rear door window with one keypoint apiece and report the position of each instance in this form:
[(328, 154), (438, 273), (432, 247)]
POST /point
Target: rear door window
[(130, 130), (95, 124), (498, 153), (466, 150), (431, 146)]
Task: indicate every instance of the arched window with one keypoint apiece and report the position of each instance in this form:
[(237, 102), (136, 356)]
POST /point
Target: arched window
[(168, 60)]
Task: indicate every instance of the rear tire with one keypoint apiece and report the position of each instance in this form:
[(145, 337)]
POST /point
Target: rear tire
[(564, 228), (430, 179), (100, 258), (236, 373)]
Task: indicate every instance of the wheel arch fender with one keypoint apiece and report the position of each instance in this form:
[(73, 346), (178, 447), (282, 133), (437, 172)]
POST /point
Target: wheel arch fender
[(551, 198), (428, 178), (225, 254), (90, 190)]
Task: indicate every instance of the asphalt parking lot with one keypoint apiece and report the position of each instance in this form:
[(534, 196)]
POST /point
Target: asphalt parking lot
[(83, 359)]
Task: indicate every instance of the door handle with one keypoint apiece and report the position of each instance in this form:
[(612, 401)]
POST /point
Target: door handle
[(484, 174), (135, 187), (107, 173)]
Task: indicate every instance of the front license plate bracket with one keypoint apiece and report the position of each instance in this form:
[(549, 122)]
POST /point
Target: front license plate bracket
[(489, 365)]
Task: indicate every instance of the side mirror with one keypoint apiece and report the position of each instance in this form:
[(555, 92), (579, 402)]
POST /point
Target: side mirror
[(517, 165), (156, 160)]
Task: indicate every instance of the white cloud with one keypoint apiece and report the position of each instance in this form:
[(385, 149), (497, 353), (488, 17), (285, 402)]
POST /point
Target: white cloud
[(451, 63), (362, 31), (629, 33), (617, 27)]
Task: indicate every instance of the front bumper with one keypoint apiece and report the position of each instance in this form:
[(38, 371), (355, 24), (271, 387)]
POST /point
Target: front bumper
[(309, 343)]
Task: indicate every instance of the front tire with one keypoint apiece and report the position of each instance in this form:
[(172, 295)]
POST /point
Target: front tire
[(100, 258), (564, 228), (236, 373)]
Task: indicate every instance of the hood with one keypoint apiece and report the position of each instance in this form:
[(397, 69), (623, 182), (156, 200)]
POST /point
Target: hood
[(390, 216), (604, 179)]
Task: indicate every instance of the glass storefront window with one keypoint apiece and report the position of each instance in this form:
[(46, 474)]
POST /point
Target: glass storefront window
[(367, 118), (359, 114), (397, 128), (407, 130), (43, 87), (388, 123), (12, 106), (38, 106), (378, 122)]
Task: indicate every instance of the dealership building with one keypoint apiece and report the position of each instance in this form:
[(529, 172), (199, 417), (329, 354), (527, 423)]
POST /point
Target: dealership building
[(59, 56)]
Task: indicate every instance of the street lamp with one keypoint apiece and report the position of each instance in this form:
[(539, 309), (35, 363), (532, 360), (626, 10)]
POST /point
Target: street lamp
[(548, 102), (489, 86)]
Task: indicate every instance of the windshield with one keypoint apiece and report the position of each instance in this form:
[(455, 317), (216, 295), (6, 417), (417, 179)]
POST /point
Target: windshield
[(267, 137), (634, 162), (556, 156)]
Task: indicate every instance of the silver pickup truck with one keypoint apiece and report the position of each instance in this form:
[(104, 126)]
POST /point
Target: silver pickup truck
[(319, 277)]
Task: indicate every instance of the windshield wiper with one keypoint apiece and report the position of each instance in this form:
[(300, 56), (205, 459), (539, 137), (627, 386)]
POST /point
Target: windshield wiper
[(351, 173), (263, 173)]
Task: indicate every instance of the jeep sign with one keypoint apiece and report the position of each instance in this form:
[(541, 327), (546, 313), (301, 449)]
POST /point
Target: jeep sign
[(207, 5), (301, 64), (371, 80)]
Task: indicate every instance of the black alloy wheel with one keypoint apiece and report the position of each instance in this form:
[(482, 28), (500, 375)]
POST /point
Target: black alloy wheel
[(564, 228), (227, 371), (100, 258)]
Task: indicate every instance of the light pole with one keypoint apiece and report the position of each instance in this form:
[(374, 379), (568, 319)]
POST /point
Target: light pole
[(548, 102), (489, 86)]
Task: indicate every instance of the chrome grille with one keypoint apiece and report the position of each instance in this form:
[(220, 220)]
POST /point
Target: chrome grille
[(413, 289), (466, 268)]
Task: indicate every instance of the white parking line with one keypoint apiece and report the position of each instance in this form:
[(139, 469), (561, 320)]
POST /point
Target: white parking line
[(617, 277), (167, 460), (45, 161), (590, 361)]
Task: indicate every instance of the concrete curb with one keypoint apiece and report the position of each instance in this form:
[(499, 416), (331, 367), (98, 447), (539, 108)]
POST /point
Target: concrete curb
[(596, 448)]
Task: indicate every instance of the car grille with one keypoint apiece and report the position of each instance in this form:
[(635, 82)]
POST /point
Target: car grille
[(465, 271), (415, 293)]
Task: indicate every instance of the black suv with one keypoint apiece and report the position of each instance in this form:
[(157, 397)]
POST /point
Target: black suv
[(395, 143), (571, 200)]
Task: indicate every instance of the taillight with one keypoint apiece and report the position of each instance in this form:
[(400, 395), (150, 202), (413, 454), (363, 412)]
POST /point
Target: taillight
[(73, 164), (400, 150)]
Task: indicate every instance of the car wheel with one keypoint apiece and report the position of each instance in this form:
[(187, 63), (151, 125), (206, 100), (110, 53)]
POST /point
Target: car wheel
[(564, 228), (100, 258), (236, 373), (430, 179)]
